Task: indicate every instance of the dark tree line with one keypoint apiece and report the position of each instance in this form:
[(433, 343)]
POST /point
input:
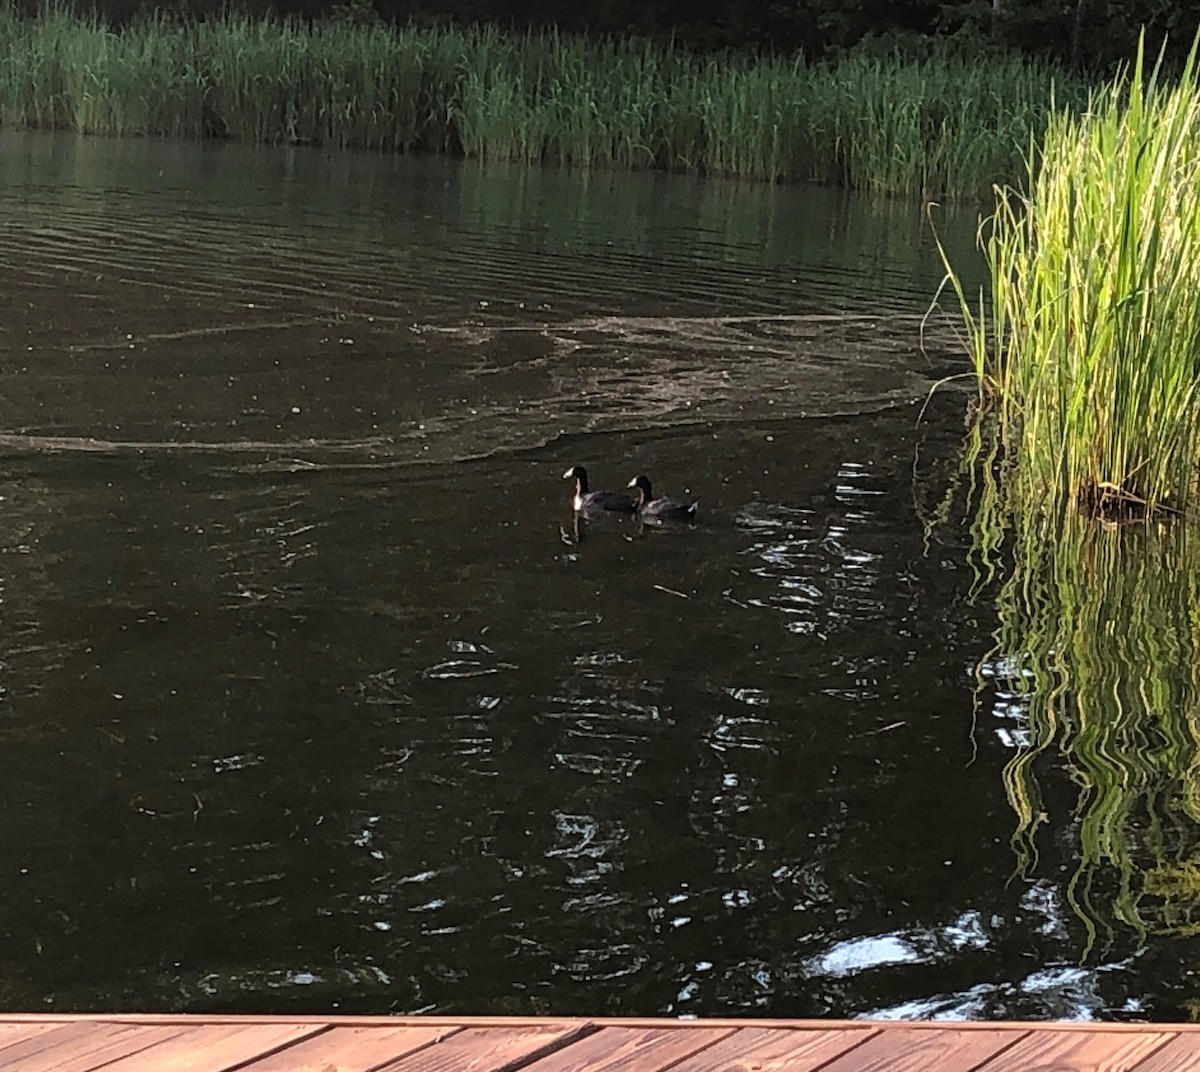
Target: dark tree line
[(1089, 34)]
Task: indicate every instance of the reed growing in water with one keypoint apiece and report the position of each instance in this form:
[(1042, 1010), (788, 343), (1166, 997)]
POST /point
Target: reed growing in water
[(1088, 355), (942, 125)]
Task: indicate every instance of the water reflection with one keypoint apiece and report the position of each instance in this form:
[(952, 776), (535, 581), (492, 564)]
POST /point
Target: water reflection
[(316, 699), (351, 310), (1093, 678), (796, 544)]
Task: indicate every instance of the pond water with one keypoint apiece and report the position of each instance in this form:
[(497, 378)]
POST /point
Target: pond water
[(313, 696)]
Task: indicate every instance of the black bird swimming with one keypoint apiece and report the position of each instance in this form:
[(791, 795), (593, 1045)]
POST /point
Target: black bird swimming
[(585, 501), (662, 508)]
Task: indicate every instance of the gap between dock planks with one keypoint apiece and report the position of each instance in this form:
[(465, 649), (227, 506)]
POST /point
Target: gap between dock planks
[(198, 1043)]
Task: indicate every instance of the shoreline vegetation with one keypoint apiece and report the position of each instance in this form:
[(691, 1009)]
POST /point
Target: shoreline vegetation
[(944, 125), (1085, 352), (1081, 494)]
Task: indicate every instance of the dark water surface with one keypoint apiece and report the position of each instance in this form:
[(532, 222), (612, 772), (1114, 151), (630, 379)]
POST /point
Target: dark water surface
[(312, 697)]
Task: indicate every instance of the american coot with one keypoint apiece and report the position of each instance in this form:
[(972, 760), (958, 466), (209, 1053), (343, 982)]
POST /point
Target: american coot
[(586, 501), (662, 508)]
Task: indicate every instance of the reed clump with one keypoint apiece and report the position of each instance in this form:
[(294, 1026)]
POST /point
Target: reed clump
[(940, 125), (1088, 353)]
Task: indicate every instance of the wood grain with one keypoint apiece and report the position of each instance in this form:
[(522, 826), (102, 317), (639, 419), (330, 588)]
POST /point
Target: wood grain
[(490, 1049), (183, 1043)]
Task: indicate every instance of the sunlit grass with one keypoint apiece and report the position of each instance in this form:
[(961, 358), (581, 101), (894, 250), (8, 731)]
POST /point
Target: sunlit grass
[(1088, 355), (941, 126), (1085, 346)]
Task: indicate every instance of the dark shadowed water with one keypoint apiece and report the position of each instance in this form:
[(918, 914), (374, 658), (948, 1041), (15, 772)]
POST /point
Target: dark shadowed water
[(313, 697)]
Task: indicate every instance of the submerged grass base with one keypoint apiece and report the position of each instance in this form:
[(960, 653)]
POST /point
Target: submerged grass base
[(943, 126), (1113, 504)]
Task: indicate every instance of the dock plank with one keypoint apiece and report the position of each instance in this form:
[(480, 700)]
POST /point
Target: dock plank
[(166, 1042), (352, 1049), (491, 1049), (13, 1033), (767, 1049), (1181, 1054), (1100, 1051), (21, 1053), (100, 1044), (903, 1049), (632, 1049), (16, 1034), (214, 1048)]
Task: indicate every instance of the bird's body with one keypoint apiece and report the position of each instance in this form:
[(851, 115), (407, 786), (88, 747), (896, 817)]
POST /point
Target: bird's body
[(586, 501), (662, 508)]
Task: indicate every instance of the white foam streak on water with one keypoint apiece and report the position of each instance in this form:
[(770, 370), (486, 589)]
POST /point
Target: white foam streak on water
[(168, 296)]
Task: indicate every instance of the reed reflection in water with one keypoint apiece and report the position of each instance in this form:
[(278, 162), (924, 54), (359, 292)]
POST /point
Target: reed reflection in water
[(1096, 677)]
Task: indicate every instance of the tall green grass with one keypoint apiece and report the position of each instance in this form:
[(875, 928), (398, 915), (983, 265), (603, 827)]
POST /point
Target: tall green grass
[(941, 126), (1088, 355), (1086, 350)]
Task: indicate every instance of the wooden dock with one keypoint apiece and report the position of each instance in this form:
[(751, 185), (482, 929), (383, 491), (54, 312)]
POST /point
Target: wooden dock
[(166, 1043)]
